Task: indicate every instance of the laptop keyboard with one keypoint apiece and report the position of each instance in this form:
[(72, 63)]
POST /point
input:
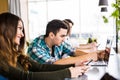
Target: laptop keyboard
[(98, 63)]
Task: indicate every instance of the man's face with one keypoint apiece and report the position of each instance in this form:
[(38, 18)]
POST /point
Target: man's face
[(60, 36)]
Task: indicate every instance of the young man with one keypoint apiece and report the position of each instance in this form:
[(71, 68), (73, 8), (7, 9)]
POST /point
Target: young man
[(89, 47), (51, 48)]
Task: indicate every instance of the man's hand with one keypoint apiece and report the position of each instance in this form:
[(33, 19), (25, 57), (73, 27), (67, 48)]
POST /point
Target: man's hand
[(104, 54), (81, 63)]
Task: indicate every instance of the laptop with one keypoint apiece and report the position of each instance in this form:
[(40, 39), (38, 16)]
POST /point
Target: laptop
[(105, 58)]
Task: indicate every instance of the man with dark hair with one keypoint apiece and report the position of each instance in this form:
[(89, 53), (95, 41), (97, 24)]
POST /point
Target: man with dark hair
[(89, 47), (70, 24), (49, 48), (70, 21)]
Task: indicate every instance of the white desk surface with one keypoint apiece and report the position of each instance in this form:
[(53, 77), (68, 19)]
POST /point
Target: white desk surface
[(97, 72), (113, 68)]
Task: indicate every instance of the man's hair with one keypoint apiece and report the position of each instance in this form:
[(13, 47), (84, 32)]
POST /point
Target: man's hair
[(70, 21), (54, 26), (67, 23)]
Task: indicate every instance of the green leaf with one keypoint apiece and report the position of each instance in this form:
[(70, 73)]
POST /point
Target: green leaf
[(114, 5), (115, 14), (105, 19)]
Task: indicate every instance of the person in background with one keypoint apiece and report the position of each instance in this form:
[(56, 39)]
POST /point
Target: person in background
[(52, 49), (16, 65), (70, 24), (89, 47)]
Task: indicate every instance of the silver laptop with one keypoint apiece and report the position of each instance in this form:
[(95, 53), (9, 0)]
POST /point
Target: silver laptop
[(105, 60)]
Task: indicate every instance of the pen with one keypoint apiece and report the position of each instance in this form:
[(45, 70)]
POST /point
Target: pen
[(89, 62)]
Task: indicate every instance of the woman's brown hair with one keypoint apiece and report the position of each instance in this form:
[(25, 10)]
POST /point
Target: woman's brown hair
[(9, 51)]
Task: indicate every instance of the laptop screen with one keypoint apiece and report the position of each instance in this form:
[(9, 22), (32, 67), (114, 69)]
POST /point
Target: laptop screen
[(108, 49), (104, 55)]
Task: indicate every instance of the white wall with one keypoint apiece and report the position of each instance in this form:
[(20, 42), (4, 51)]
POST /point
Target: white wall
[(24, 16)]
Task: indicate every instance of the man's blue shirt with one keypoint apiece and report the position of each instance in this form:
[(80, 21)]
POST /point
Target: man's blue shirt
[(38, 50)]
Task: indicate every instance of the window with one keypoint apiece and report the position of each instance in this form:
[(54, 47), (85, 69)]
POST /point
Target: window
[(85, 14)]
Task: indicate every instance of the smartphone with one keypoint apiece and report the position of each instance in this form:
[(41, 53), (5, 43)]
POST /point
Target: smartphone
[(89, 62)]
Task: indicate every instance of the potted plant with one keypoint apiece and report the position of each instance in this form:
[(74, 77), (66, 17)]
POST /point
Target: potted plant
[(116, 15)]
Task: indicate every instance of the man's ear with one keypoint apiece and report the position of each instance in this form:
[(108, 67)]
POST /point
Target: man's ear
[(51, 34)]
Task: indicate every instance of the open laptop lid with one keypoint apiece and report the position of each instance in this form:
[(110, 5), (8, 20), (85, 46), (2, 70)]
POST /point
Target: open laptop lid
[(105, 58), (108, 48)]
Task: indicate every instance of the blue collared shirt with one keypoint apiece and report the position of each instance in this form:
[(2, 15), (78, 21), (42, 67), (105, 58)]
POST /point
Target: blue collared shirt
[(39, 51)]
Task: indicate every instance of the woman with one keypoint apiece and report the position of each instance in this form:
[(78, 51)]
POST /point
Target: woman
[(15, 65)]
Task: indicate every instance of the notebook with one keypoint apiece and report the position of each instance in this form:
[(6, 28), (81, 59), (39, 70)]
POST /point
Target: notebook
[(105, 60)]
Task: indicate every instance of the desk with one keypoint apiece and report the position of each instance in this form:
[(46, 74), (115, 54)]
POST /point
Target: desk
[(113, 68), (97, 72), (114, 65)]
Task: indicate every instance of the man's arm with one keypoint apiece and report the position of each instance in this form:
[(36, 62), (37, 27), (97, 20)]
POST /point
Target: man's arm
[(77, 59), (89, 45), (79, 51)]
